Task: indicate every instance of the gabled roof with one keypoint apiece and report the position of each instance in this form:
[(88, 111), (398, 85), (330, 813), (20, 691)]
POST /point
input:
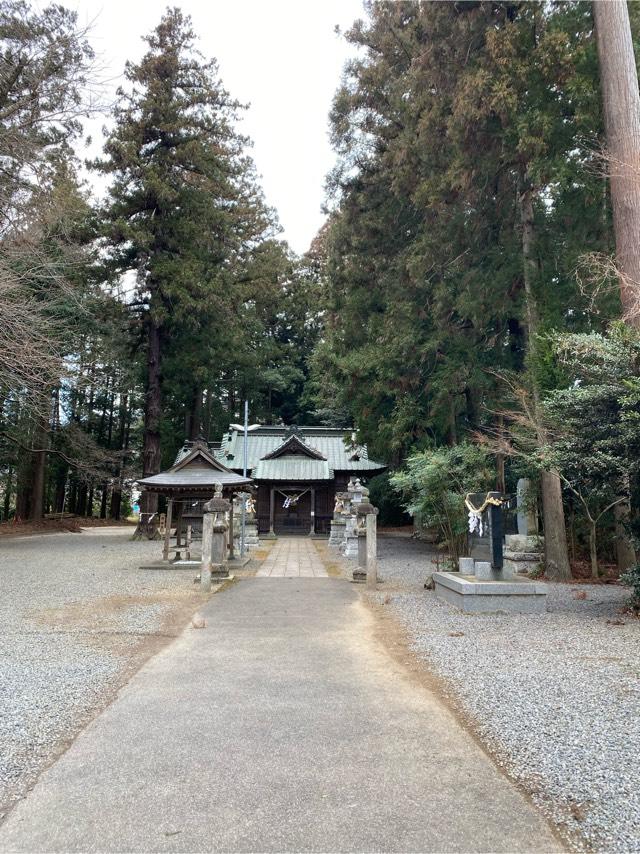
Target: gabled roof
[(335, 444), (198, 455), (197, 470), (292, 446)]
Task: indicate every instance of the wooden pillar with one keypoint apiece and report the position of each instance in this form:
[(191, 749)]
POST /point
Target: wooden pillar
[(313, 511), (179, 524), (230, 533), (272, 512), (167, 533)]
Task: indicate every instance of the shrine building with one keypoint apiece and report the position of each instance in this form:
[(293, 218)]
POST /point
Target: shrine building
[(296, 472)]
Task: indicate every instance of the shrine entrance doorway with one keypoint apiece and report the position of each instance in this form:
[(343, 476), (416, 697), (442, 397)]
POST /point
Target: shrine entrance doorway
[(290, 509)]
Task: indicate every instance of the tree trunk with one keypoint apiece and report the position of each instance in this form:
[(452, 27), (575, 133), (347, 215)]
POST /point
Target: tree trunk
[(73, 494), (194, 417), (116, 492), (621, 106), (593, 549), (7, 494), (556, 555), (103, 500), (625, 552), (81, 500), (500, 472), (36, 511), (60, 490), (152, 415), (452, 432)]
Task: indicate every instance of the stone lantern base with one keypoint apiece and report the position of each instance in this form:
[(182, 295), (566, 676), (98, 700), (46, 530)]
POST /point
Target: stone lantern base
[(336, 535), (523, 555)]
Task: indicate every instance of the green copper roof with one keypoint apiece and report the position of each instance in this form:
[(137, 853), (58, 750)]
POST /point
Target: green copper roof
[(292, 468), (333, 443)]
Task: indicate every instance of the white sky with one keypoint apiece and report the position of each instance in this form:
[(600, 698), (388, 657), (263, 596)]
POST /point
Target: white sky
[(282, 57)]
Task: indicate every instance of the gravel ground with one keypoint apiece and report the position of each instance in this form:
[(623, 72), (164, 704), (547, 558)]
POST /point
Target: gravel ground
[(77, 617), (405, 563), (555, 696)]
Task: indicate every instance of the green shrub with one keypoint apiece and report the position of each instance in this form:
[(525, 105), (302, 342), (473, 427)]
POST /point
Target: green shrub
[(387, 500), (632, 579), (434, 485)]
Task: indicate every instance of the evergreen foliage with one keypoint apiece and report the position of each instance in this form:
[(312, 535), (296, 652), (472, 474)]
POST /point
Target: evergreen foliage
[(433, 487)]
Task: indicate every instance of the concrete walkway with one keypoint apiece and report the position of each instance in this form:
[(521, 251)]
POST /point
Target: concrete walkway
[(284, 725), (293, 557)]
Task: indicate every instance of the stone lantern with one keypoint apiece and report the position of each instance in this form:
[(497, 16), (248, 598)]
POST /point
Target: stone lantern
[(214, 539), (357, 495)]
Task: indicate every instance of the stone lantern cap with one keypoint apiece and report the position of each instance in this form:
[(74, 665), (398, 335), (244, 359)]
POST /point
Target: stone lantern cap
[(364, 509), (217, 504)]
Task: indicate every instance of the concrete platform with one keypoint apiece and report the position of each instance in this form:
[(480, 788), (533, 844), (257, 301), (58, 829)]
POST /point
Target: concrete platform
[(236, 563), (480, 596)]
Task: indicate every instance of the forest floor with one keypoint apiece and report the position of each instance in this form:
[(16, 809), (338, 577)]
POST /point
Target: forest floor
[(554, 697), (77, 619)]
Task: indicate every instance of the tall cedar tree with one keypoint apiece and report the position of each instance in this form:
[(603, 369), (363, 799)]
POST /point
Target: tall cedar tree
[(45, 66), (461, 202), (182, 204)]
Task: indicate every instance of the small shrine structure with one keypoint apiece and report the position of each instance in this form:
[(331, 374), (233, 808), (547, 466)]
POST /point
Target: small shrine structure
[(297, 472), (188, 485)]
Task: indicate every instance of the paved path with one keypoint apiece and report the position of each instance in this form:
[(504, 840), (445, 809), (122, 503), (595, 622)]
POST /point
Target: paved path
[(284, 725), (293, 557)]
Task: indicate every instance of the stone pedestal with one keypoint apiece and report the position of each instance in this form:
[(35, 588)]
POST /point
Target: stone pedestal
[(219, 567), (336, 535), (251, 532), (341, 512), (488, 590), (474, 596), (483, 571), (350, 539), (466, 565), (523, 554), (250, 523), (359, 574)]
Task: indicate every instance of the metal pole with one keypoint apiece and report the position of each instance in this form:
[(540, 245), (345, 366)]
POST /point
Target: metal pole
[(372, 551), (243, 521)]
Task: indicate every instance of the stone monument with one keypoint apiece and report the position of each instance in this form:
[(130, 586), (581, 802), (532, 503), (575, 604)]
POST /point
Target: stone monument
[(524, 551), (486, 586)]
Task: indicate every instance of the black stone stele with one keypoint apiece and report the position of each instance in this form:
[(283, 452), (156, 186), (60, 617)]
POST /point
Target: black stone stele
[(491, 504), (496, 533)]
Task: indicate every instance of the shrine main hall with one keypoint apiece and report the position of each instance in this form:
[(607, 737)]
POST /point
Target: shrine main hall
[(296, 472)]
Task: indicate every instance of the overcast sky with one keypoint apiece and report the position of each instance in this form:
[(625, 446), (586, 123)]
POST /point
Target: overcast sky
[(282, 57)]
